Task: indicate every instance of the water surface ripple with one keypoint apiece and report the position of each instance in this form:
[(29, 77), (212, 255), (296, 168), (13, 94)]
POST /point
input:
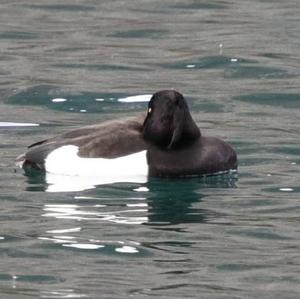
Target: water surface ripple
[(68, 64)]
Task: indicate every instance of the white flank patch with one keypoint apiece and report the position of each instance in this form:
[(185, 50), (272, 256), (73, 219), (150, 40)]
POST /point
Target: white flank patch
[(66, 171), (134, 99)]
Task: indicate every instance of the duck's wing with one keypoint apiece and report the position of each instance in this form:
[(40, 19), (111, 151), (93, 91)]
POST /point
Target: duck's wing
[(106, 140)]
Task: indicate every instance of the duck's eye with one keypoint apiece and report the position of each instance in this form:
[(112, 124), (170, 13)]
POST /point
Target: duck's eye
[(149, 110)]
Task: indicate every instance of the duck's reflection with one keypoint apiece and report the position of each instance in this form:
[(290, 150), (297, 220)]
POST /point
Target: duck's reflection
[(128, 214), (179, 201), (161, 204), (157, 202), (172, 202)]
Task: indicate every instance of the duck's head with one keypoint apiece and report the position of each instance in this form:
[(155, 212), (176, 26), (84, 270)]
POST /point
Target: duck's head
[(168, 123)]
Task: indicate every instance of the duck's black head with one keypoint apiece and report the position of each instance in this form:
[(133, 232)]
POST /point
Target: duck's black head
[(169, 123)]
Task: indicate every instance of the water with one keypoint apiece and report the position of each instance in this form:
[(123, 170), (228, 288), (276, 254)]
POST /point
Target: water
[(237, 62)]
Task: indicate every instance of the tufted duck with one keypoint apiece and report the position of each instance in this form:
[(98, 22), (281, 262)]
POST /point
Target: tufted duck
[(165, 143)]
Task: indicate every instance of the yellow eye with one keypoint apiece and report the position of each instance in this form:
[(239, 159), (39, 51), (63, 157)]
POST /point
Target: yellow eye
[(149, 110)]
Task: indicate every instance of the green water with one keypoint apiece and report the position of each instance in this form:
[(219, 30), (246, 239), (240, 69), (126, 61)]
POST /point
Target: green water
[(237, 63)]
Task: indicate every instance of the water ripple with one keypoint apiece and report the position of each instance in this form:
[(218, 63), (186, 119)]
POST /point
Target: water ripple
[(285, 100), (77, 212), (87, 102)]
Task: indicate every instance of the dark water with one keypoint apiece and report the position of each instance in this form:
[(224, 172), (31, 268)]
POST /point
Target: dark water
[(238, 64)]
